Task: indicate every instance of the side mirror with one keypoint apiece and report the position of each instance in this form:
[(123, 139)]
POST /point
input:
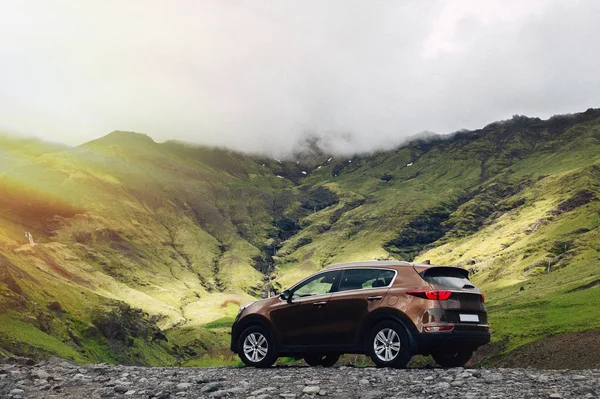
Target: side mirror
[(286, 296)]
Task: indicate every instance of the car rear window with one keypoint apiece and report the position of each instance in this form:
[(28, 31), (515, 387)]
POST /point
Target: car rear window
[(448, 277)]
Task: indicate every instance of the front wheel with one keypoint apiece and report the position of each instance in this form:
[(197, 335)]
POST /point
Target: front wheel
[(388, 345), (257, 348), (321, 360), (452, 358)]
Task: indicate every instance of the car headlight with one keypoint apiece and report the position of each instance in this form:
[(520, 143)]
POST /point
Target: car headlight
[(244, 307)]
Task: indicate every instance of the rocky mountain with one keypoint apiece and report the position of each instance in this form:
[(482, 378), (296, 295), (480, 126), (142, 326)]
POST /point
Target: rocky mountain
[(142, 251)]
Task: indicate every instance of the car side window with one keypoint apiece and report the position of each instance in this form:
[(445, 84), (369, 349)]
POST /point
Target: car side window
[(356, 279), (384, 278), (318, 285)]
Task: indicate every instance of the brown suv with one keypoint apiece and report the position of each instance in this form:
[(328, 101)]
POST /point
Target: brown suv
[(388, 310)]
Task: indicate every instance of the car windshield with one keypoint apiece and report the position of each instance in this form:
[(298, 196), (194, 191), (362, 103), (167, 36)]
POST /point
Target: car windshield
[(448, 277)]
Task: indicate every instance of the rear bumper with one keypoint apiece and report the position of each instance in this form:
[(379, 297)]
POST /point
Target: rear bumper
[(452, 340)]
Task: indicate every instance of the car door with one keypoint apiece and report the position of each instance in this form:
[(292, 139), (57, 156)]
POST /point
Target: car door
[(300, 321), (360, 292)]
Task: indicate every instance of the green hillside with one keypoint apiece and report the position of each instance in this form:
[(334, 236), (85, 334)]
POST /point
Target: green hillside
[(143, 250)]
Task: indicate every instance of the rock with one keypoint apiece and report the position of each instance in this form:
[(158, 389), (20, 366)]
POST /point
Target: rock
[(55, 307), (263, 390), (265, 396), (492, 377), (311, 389), (183, 386), (23, 361), (374, 395), (555, 396), (121, 389), (211, 386), (67, 365), (17, 391), (129, 393), (37, 382), (221, 393)]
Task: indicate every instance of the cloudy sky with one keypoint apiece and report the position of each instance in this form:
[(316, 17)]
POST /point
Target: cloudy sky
[(258, 75)]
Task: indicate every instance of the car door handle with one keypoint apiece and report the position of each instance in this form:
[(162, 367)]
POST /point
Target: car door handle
[(319, 303), (374, 298)]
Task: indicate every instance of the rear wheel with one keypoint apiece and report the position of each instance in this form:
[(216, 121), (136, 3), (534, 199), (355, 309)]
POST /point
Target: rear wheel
[(452, 358), (257, 348), (321, 360), (388, 345)]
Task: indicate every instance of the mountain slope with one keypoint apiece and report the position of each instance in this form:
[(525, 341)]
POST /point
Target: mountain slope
[(185, 233)]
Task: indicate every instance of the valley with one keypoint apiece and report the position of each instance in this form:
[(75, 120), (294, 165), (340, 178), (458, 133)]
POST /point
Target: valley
[(144, 251)]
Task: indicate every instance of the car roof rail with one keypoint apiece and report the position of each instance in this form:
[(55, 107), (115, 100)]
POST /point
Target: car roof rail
[(376, 263)]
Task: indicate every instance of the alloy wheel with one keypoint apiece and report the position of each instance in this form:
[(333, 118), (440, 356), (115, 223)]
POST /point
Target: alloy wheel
[(387, 344), (256, 347)]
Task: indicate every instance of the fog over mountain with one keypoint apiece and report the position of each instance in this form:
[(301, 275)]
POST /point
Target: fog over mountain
[(260, 75)]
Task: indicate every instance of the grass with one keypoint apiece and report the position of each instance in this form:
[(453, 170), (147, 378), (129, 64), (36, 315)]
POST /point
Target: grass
[(214, 361), (223, 322), (20, 337), (556, 314)]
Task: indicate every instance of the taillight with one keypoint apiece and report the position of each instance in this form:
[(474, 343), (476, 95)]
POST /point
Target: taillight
[(482, 298), (433, 295)]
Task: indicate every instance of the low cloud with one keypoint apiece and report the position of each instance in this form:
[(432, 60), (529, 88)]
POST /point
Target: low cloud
[(258, 75)]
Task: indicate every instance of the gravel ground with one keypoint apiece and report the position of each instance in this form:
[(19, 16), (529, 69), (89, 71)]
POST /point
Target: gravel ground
[(57, 378)]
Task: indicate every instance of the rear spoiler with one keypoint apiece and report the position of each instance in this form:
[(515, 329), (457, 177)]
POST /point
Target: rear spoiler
[(427, 270)]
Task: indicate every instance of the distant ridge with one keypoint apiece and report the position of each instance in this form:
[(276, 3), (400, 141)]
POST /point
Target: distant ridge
[(122, 138)]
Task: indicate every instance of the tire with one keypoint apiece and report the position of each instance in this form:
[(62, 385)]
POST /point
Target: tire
[(388, 345), (257, 347), (321, 360), (452, 358)]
